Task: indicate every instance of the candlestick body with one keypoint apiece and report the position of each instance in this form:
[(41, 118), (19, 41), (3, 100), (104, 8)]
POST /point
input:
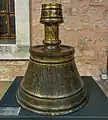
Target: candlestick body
[(52, 84)]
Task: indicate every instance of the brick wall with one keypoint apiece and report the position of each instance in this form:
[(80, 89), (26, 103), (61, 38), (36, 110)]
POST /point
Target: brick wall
[(85, 27)]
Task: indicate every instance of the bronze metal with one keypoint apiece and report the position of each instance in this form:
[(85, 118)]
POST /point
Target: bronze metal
[(52, 84)]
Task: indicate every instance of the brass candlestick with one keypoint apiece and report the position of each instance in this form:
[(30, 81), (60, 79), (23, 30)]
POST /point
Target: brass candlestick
[(52, 84)]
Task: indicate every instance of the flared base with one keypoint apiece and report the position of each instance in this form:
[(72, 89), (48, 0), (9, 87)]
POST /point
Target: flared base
[(72, 107), (52, 113), (52, 84)]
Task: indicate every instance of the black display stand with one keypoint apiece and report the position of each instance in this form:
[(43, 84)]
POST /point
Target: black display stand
[(96, 108)]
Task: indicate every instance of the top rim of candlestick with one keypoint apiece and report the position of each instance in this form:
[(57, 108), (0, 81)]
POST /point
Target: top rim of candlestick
[(51, 6)]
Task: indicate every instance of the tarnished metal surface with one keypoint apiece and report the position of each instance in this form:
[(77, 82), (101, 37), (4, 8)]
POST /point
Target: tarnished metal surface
[(52, 84)]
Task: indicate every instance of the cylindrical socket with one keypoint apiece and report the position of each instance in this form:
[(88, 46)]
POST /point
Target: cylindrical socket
[(51, 13)]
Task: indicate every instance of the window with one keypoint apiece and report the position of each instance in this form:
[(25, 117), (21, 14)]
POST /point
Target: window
[(16, 45), (7, 19)]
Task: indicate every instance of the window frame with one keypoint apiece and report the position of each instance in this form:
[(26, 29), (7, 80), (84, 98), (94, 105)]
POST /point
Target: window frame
[(8, 13), (19, 50)]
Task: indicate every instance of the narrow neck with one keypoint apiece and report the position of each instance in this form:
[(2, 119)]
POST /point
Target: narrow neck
[(51, 41), (51, 32)]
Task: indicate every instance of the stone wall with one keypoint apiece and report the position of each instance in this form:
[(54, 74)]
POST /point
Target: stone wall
[(85, 27), (19, 48)]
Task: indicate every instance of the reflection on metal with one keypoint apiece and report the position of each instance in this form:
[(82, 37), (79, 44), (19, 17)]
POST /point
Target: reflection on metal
[(52, 84)]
